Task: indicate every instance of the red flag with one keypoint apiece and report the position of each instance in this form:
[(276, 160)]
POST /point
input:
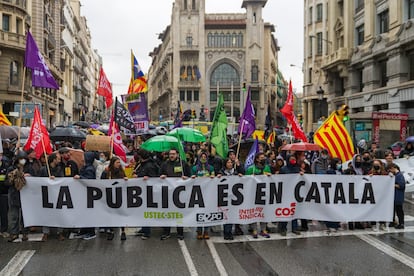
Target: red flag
[(38, 133), (287, 111), (119, 147), (104, 88)]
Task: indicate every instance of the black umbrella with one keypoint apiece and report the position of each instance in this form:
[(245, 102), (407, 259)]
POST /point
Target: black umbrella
[(82, 124), (67, 134)]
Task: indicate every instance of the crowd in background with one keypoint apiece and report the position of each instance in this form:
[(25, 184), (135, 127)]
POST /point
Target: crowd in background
[(201, 161)]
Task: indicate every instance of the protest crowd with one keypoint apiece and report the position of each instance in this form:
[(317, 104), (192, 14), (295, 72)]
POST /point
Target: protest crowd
[(201, 161)]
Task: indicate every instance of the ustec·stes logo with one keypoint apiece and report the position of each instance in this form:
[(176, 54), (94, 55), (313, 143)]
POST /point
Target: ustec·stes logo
[(286, 212)]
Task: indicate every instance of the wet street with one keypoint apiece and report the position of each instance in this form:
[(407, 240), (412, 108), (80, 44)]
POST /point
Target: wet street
[(316, 252)]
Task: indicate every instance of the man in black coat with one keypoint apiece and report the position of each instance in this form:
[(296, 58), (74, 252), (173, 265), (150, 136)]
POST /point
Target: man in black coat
[(174, 167)]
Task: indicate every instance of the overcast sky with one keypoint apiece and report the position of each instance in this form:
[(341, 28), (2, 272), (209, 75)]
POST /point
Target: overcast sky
[(118, 26)]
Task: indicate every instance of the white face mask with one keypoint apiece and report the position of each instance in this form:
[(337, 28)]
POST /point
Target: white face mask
[(22, 162)]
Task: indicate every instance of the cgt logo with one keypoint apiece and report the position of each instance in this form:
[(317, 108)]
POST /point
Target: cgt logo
[(286, 212), (203, 217)]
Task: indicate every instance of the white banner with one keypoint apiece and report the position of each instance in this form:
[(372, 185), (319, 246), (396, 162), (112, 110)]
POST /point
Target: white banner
[(71, 203)]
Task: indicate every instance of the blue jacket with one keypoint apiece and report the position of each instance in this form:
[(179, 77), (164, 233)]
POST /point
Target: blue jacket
[(399, 192), (88, 171)]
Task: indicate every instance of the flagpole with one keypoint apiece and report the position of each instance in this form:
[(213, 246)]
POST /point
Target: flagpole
[(44, 152), (239, 142), (21, 109)]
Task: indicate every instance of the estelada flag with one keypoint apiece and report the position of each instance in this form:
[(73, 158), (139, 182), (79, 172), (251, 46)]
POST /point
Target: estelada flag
[(104, 88), (4, 120), (333, 136), (38, 139)]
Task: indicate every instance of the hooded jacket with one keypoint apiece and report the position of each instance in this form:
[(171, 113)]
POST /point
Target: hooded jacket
[(88, 171)]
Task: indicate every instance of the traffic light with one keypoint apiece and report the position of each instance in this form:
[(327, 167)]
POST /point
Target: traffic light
[(193, 114), (343, 113), (300, 118), (244, 86)]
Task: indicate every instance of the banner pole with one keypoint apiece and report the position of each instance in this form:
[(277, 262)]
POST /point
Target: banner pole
[(239, 142)]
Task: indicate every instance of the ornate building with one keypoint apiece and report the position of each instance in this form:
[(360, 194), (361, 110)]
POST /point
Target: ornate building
[(63, 38), (361, 53), (204, 54)]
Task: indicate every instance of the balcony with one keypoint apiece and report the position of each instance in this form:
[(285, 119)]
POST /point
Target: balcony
[(12, 40), (339, 56)]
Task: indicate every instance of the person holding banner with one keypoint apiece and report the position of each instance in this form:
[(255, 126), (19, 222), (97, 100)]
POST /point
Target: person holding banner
[(398, 195), (290, 168), (114, 171), (70, 168), (229, 168), (15, 179), (202, 169), (4, 190), (55, 171), (259, 168), (174, 167), (146, 167)]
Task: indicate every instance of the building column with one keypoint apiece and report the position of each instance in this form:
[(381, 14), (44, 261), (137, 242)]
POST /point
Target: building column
[(309, 115)]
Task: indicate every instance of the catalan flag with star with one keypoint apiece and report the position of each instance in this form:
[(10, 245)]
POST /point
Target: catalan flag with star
[(4, 120), (333, 136)]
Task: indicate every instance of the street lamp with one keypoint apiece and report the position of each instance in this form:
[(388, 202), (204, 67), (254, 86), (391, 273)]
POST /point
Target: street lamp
[(320, 93)]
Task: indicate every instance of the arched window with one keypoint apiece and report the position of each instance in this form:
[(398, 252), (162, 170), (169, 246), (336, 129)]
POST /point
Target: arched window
[(225, 74), (222, 40), (209, 40), (234, 40), (255, 73), (240, 40)]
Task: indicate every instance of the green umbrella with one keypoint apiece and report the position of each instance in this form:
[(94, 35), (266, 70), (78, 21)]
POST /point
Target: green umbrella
[(163, 143), (187, 134)]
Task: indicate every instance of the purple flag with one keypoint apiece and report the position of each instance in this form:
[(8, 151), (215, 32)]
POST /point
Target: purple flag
[(41, 75), (247, 124), (137, 106), (252, 153)]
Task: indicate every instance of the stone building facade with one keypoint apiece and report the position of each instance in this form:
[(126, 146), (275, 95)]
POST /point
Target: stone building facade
[(361, 53), (203, 54), (63, 38)]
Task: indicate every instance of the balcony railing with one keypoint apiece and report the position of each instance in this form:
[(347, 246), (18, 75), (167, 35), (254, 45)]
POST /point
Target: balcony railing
[(12, 39)]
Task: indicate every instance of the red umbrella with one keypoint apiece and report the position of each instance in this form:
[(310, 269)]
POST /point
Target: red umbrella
[(302, 146)]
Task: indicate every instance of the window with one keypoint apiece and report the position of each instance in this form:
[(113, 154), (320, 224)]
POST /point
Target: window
[(410, 9), (213, 96), (310, 75), (411, 62), (196, 96), (319, 12), (6, 22), (360, 80), (189, 41), (193, 4), (189, 72), (182, 95), (255, 95), (383, 22), (189, 96), (359, 5), (19, 26), (14, 73), (255, 73), (310, 45), (319, 43), (185, 4), (359, 31), (310, 15), (382, 67), (224, 74)]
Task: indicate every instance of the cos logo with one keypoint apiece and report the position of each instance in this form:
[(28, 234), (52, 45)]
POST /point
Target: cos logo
[(286, 212)]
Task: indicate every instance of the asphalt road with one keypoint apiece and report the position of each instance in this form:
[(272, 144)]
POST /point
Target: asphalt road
[(316, 252)]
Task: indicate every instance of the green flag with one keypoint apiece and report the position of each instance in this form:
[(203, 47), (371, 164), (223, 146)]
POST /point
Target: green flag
[(219, 129)]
